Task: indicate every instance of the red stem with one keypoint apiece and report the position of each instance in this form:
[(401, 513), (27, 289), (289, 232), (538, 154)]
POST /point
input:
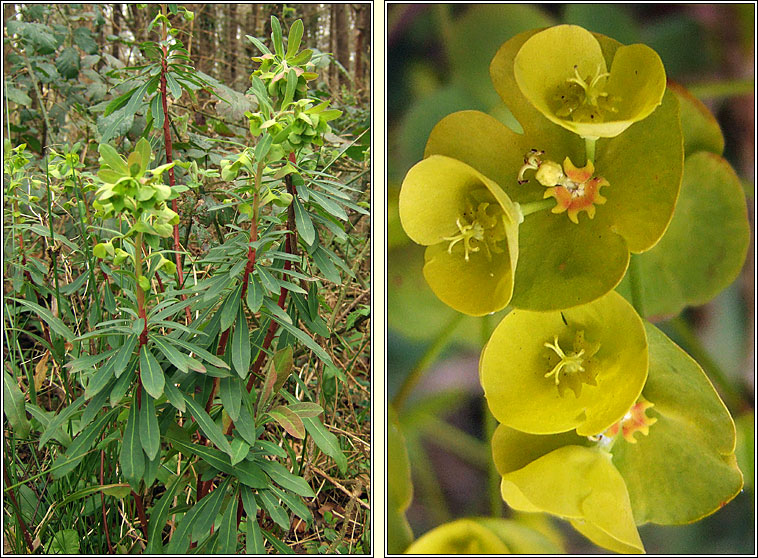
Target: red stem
[(140, 512), (21, 523), (102, 503), (169, 159)]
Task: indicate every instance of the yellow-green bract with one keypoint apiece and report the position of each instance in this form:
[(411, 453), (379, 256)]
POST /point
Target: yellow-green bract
[(672, 463), (563, 72), (582, 368), (470, 228)]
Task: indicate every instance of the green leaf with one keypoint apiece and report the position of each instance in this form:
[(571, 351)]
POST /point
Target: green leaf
[(685, 467), (111, 158), (283, 363), (132, 458), (267, 280), (276, 311), (202, 353), (180, 540), (159, 513), (14, 406), (122, 384), (284, 478), (288, 420), (65, 541), (289, 92), (294, 503), (254, 295), (149, 432), (705, 245), (84, 40), (259, 44), (275, 511), (307, 340), (124, 355), (17, 96), (247, 472), (79, 447), (700, 128), (204, 523), (175, 397), (151, 373), (303, 222), (229, 309), (174, 357), (209, 428), (326, 441), (116, 104), (306, 409), (68, 63), (59, 419), (56, 324), (176, 89), (276, 37), (254, 540), (240, 449), (400, 489), (246, 425), (226, 542), (99, 379), (326, 266), (293, 42), (230, 390), (241, 344)]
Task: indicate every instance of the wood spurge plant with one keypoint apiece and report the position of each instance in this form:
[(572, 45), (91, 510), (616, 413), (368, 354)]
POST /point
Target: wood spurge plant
[(603, 420), (196, 370)]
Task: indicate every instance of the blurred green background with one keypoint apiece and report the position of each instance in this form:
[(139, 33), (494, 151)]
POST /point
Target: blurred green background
[(438, 63)]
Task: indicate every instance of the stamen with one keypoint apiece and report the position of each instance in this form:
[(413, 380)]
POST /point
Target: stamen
[(571, 363)]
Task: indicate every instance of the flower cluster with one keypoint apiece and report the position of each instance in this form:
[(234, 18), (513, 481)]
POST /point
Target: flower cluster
[(604, 421)]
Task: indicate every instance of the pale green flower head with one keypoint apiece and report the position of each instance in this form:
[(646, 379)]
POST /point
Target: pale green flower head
[(563, 73), (470, 228)]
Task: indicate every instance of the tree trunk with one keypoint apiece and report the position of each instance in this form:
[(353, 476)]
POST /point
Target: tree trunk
[(116, 20), (363, 46), (231, 43), (340, 37)]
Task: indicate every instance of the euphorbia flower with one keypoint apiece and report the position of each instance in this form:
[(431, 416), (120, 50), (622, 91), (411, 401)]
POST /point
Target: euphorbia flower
[(470, 228), (567, 259), (669, 460), (563, 72), (582, 368)]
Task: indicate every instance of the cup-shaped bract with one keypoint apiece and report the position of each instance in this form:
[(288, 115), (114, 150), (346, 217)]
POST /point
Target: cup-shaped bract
[(581, 368), (669, 460), (470, 228), (563, 73)]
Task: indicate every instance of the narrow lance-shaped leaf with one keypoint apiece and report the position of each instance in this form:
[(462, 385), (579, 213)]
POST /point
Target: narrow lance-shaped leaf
[(132, 458), (303, 222), (230, 390), (326, 441), (283, 363), (174, 357), (209, 428), (59, 420), (151, 373), (124, 354), (226, 542), (150, 436), (288, 420), (14, 406), (56, 324), (158, 515), (241, 344)]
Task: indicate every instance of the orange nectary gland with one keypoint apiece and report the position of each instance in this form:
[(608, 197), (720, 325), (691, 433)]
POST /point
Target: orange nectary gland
[(579, 192), (634, 421)]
